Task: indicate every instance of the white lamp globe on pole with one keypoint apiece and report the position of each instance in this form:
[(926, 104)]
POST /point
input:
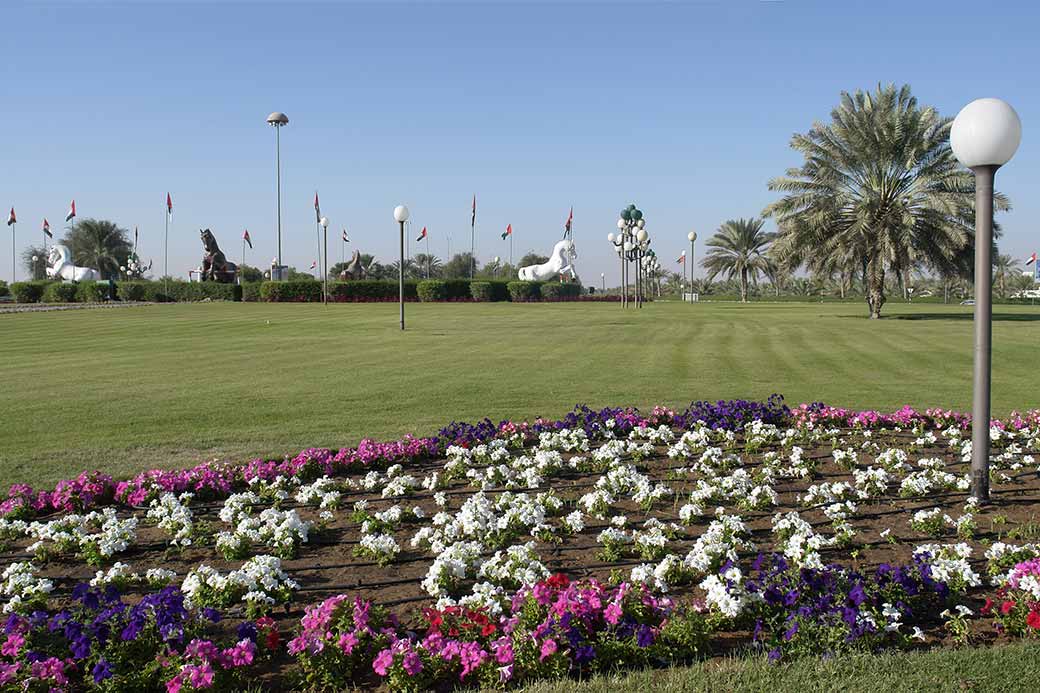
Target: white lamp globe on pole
[(278, 120), (983, 137), (401, 216)]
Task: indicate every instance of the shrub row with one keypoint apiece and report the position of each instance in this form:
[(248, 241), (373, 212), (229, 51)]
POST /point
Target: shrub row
[(92, 292)]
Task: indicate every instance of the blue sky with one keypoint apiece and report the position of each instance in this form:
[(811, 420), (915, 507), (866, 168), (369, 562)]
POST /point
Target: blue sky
[(685, 109)]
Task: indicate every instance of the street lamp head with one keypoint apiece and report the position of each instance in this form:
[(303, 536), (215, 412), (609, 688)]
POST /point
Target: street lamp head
[(628, 246), (400, 214), (692, 236), (621, 223), (641, 223), (324, 222), (497, 260), (277, 119), (985, 133), (610, 237), (641, 235)]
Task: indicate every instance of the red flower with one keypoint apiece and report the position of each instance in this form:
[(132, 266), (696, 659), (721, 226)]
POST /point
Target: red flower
[(488, 630), (1006, 607), (988, 606), (273, 639), (1033, 619), (558, 580)]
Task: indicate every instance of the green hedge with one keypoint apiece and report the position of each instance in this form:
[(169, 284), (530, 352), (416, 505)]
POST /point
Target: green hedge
[(556, 291), (524, 291), (58, 292), (251, 291), (296, 291), (432, 290), (3, 288), (491, 290), (93, 292), (371, 290), (131, 291), (28, 292)]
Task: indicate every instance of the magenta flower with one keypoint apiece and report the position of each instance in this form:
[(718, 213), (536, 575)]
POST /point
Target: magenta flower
[(548, 648)]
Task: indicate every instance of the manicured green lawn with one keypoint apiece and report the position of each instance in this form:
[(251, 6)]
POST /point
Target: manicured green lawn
[(983, 669), (128, 389)]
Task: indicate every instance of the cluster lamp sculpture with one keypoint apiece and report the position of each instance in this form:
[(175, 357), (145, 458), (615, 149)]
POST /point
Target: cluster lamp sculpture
[(631, 244)]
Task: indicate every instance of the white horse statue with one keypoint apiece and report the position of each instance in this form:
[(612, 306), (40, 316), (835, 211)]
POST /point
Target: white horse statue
[(61, 267), (560, 261)]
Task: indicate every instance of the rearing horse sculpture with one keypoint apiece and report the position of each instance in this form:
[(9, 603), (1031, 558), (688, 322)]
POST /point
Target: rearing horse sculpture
[(215, 267), (559, 263)]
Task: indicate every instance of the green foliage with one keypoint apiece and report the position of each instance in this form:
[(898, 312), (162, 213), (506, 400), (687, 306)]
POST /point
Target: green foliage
[(251, 291), (480, 291), (59, 292), (131, 291), (37, 268), (738, 249), (879, 191), (524, 291), (93, 292), (558, 291), (27, 292), (100, 244), (371, 290), (294, 291), (250, 274), (432, 290), (3, 288)]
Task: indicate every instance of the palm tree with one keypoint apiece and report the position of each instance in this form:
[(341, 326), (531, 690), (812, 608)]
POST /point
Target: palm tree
[(429, 265), (100, 244), (879, 188), (738, 249), (1004, 267)]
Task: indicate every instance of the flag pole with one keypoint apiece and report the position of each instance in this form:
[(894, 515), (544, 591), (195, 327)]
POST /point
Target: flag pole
[(510, 248), (166, 251), (429, 259), (14, 262)]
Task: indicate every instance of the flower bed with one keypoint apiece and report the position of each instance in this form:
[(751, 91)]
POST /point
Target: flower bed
[(494, 554)]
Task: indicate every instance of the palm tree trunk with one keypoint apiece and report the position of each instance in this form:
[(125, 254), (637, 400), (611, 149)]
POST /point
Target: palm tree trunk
[(743, 285), (875, 286)]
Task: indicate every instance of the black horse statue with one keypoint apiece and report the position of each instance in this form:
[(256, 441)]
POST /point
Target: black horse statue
[(215, 267)]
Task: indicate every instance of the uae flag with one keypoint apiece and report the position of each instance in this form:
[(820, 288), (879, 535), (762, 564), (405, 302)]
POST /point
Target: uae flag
[(346, 238), (473, 218), (421, 235), (1031, 260), (317, 208), (11, 219), (169, 206), (570, 219), (47, 229), (72, 211), (314, 264), (508, 233), (682, 258), (247, 239)]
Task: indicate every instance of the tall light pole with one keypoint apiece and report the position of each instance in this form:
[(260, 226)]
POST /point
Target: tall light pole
[(325, 271), (692, 237), (278, 120), (984, 137), (401, 216), (603, 282)]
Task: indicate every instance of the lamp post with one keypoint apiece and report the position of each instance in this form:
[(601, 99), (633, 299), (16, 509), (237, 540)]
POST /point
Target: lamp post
[(692, 237), (278, 120), (401, 216), (984, 137), (603, 282), (325, 270)]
